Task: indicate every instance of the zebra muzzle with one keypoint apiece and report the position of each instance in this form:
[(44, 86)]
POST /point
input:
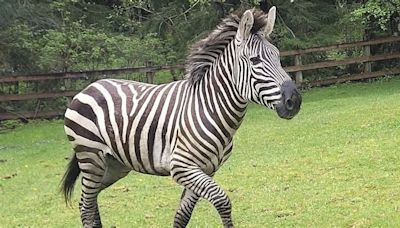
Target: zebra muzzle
[(290, 102)]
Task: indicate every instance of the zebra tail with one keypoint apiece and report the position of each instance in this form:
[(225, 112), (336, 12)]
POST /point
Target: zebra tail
[(69, 179)]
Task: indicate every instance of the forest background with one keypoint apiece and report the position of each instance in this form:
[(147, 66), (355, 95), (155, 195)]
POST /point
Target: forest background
[(40, 36)]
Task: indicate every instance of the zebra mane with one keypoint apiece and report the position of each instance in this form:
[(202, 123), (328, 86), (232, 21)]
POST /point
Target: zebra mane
[(204, 52)]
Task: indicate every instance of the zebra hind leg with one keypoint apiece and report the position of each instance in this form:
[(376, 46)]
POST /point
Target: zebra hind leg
[(203, 185), (186, 206), (99, 171), (93, 168), (97, 219)]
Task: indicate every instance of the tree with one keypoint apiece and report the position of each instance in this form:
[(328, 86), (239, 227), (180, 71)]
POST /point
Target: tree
[(377, 14)]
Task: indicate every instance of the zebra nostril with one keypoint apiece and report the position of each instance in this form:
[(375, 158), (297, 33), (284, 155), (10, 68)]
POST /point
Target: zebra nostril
[(289, 104)]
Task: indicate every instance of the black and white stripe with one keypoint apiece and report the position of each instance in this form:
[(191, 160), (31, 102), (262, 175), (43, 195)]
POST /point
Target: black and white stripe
[(183, 129)]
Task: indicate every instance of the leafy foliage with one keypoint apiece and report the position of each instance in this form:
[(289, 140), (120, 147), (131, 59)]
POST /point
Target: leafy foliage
[(80, 38), (44, 35), (378, 12)]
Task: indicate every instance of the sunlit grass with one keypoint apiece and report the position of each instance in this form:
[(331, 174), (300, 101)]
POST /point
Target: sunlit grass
[(336, 164)]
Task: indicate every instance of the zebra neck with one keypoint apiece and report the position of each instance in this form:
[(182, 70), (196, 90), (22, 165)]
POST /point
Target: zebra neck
[(218, 96)]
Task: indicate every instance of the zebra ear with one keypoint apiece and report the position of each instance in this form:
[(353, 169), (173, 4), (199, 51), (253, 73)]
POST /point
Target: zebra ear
[(245, 25), (270, 21)]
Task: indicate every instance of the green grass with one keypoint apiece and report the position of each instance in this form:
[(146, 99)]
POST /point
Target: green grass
[(336, 164)]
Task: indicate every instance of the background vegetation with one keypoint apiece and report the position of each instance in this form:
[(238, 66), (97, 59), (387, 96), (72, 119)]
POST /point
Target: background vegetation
[(336, 164), (42, 36), (60, 35)]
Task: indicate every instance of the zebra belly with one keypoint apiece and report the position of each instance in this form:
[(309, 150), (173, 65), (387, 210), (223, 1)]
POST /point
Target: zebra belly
[(154, 163)]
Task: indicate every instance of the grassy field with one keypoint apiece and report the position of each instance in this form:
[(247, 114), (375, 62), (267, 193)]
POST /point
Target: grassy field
[(337, 164)]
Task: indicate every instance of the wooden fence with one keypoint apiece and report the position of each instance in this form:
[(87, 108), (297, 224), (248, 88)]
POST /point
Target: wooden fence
[(297, 69)]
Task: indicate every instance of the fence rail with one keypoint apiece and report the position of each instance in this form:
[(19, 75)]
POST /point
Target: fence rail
[(354, 77), (86, 74), (353, 60), (390, 39), (298, 68), (31, 96)]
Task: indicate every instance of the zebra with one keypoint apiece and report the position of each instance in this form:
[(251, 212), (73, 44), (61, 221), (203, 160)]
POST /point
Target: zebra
[(183, 129)]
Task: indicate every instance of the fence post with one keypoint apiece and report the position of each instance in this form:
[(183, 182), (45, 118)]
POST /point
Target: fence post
[(299, 74), (367, 65), (150, 74)]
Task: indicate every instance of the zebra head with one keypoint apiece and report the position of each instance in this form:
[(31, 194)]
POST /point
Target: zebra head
[(258, 73)]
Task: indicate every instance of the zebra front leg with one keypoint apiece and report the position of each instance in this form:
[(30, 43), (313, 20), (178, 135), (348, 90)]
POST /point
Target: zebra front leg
[(201, 184), (186, 206)]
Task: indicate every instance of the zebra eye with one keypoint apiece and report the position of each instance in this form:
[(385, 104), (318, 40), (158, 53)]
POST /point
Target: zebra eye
[(255, 60)]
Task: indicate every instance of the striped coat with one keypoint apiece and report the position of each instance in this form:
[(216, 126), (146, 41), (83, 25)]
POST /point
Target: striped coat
[(182, 129)]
